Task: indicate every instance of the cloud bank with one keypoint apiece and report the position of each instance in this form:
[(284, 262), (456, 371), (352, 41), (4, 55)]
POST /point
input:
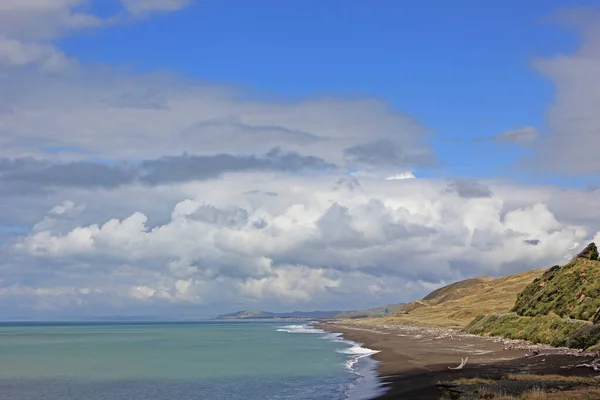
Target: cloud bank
[(152, 193), (232, 241)]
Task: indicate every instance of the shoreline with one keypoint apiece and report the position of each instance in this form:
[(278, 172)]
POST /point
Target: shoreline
[(413, 361)]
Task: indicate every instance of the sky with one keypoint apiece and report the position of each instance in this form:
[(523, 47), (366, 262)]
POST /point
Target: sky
[(190, 158)]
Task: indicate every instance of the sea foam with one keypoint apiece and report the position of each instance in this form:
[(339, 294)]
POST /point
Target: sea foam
[(299, 329), (367, 385), (355, 351), (359, 351)]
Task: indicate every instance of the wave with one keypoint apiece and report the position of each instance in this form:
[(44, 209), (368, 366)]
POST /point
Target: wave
[(306, 328), (336, 337), (355, 351), (358, 350), (367, 384)]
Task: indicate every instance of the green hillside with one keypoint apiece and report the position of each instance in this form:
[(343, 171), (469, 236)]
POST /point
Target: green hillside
[(561, 307), (570, 291)]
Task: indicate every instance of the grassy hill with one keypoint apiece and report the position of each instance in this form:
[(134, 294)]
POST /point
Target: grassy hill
[(571, 291), (456, 305), (561, 307)]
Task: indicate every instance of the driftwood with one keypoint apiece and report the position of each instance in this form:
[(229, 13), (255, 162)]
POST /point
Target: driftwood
[(595, 365), (463, 361), (533, 353)]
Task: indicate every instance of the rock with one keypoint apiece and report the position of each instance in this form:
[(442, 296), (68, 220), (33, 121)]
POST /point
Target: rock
[(590, 252)]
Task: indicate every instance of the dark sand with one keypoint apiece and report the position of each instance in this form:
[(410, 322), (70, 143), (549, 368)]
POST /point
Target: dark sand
[(413, 362)]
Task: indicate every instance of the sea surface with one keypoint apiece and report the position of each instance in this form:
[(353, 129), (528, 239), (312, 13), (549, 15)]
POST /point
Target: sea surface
[(181, 361)]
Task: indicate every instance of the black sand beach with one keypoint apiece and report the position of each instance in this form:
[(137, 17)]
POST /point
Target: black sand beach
[(414, 363)]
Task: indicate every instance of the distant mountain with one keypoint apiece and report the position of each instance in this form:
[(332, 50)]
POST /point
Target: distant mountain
[(379, 312), (251, 314)]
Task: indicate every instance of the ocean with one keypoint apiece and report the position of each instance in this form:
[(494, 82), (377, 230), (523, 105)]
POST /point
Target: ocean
[(182, 361)]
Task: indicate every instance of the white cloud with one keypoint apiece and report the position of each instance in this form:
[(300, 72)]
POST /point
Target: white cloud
[(574, 137), (242, 237), (63, 208), (17, 53), (403, 175), (118, 116), (290, 284), (313, 243), (29, 28)]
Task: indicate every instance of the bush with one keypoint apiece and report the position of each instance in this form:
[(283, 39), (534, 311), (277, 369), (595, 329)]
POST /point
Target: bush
[(548, 329), (585, 337)]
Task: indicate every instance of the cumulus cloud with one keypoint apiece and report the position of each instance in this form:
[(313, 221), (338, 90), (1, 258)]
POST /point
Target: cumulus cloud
[(146, 192), (315, 243)]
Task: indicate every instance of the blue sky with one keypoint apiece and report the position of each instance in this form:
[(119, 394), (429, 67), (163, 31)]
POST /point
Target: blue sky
[(464, 71), (196, 157)]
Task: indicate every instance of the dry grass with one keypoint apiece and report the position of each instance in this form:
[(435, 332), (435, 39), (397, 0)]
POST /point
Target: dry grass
[(554, 378), (458, 304), (474, 381), (580, 394)]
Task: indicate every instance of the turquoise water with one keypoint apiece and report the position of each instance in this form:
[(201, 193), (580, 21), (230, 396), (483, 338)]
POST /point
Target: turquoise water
[(203, 360)]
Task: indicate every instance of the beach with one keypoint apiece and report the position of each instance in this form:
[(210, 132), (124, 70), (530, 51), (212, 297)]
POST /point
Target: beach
[(414, 363)]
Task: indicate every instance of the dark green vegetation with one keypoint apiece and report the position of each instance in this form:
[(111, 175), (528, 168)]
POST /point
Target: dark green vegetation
[(561, 308), (571, 291), (549, 329)]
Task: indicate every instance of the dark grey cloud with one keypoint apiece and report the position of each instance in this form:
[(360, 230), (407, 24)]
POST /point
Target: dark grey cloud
[(350, 183), (233, 218), (190, 167), (79, 173), (468, 188), (533, 242), (260, 224), (387, 152), (26, 176), (29, 175)]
